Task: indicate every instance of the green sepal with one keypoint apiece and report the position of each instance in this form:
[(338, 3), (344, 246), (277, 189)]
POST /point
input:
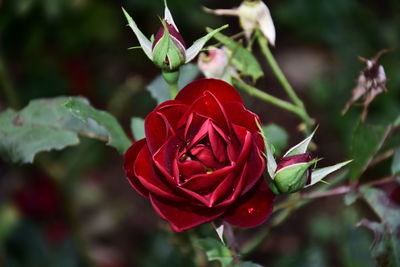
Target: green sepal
[(293, 177), (164, 49)]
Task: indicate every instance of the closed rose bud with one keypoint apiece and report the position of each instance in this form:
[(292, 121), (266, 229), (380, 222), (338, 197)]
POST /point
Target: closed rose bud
[(168, 50), (293, 172), (168, 47)]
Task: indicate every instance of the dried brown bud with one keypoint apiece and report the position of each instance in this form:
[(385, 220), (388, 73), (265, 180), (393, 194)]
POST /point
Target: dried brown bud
[(370, 83)]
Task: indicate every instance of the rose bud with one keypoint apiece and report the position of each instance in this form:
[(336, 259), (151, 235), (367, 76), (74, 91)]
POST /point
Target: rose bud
[(253, 14), (293, 171), (168, 47), (168, 50), (217, 64), (202, 159)]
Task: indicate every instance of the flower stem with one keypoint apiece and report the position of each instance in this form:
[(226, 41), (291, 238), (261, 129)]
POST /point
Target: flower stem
[(171, 78), (283, 81), (268, 98), (173, 89)]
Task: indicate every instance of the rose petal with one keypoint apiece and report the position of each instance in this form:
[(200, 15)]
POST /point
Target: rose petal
[(251, 173), (256, 166), (205, 156), (221, 90), (152, 179), (252, 209), (129, 161), (205, 183), (189, 168), (239, 115), (209, 107), (218, 144), (193, 124), (161, 122), (173, 111), (166, 159), (200, 135), (182, 217)]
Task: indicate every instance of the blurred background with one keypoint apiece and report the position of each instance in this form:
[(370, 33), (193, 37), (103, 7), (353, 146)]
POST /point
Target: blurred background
[(75, 207)]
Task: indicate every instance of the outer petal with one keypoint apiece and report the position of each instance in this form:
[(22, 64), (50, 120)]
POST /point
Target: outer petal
[(129, 162), (161, 123), (252, 209), (151, 178), (239, 115), (221, 90), (182, 217)]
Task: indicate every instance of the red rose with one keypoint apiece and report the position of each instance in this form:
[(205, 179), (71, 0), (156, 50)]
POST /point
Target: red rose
[(202, 159)]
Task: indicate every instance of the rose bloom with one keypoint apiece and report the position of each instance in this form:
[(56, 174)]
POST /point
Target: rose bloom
[(202, 159)]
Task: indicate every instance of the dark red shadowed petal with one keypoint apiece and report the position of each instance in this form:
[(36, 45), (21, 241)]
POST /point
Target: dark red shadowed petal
[(218, 140), (166, 159), (299, 158), (182, 217), (204, 154), (129, 163), (252, 209), (188, 168), (221, 90)]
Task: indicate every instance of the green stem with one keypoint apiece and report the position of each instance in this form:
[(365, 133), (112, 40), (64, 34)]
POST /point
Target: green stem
[(171, 78), (268, 98), (282, 79), (173, 89), (8, 89)]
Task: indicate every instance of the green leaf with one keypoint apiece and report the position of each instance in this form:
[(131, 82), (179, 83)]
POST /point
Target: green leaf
[(301, 147), (277, 136), (215, 250), (43, 125), (242, 58), (159, 90), (85, 112), (367, 140), (319, 174), (396, 162), (137, 128), (196, 47), (386, 247)]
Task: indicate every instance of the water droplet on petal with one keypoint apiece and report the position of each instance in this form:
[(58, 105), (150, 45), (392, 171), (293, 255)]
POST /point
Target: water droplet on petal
[(251, 210)]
